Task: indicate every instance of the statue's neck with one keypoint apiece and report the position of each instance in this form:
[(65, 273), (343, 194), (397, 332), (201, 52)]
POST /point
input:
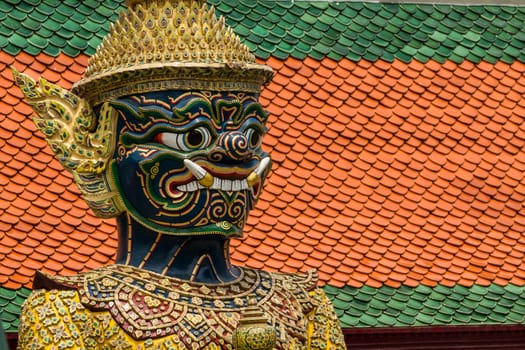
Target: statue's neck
[(204, 259)]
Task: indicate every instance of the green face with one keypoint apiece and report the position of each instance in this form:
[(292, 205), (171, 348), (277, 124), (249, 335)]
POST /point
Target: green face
[(189, 163)]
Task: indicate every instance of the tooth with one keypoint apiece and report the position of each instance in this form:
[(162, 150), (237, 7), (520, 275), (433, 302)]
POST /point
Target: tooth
[(256, 174), (204, 178), (192, 186), (262, 166), (236, 185)]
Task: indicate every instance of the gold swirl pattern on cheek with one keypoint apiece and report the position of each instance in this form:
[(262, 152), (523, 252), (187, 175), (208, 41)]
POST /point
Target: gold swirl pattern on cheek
[(217, 209), (233, 209), (239, 208), (154, 171)]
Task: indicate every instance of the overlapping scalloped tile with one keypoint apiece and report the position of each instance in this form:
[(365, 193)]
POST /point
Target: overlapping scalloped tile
[(394, 174), (388, 174), (43, 224), (424, 306), (373, 30), (10, 304), (72, 27), (354, 30), (378, 181)]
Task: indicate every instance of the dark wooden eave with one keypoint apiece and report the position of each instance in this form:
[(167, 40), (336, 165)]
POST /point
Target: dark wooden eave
[(490, 337)]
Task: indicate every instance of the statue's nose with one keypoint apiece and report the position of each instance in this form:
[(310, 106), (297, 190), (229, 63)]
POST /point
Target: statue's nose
[(231, 147)]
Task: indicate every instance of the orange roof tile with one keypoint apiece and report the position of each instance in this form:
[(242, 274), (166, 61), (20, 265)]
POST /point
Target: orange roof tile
[(391, 173)]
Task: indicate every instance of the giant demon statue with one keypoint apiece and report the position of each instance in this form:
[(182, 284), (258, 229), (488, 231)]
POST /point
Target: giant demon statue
[(164, 133)]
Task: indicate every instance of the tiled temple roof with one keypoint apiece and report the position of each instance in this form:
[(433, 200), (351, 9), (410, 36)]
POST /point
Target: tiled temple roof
[(397, 140), (71, 27), (371, 31)]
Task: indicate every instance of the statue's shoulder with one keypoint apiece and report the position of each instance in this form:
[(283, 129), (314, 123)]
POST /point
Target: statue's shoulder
[(108, 279), (299, 284), (46, 281), (305, 280), (147, 305)]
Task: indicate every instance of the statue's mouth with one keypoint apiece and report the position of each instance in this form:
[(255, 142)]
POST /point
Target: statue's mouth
[(224, 182)]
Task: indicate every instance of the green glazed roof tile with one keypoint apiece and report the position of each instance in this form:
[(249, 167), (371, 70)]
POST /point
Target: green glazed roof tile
[(448, 25), (445, 317), (33, 50), (6, 7), (18, 15), (425, 305), (369, 321), (84, 9), (496, 318), (12, 49), (280, 54), (10, 23), (515, 317), (405, 320), (37, 42), (18, 40), (72, 3), (462, 318), (46, 9), (5, 32), (66, 10), (72, 27), (10, 304), (423, 319), (353, 30), (53, 50), (387, 320), (77, 44)]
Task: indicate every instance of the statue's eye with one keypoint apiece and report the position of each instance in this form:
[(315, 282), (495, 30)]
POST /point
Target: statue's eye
[(254, 137), (191, 140)]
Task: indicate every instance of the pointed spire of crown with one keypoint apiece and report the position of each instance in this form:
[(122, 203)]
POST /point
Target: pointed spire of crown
[(170, 44)]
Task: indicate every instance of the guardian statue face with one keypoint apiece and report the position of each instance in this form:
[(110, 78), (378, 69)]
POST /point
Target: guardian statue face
[(165, 125), (190, 163)]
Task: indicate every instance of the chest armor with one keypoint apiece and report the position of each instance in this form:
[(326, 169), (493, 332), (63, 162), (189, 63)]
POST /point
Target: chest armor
[(147, 305)]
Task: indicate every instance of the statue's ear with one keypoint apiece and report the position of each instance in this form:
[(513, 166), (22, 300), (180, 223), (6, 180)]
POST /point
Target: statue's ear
[(82, 141)]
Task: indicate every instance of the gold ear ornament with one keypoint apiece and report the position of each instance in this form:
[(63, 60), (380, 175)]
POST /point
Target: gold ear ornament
[(82, 141), (156, 45)]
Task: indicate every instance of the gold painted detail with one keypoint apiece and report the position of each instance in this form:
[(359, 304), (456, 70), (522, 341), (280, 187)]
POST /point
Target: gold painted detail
[(152, 306), (63, 319), (253, 332), (166, 44), (82, 142), (207, 180), (168, 31), (225, 225), (324, 331), (252, 179)]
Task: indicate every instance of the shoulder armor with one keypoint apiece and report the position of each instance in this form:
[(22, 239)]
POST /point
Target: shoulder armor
[(45, 281), (300, 285)]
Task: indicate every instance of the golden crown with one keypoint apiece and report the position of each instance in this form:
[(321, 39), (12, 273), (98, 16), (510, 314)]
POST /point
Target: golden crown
[(169, 44)]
